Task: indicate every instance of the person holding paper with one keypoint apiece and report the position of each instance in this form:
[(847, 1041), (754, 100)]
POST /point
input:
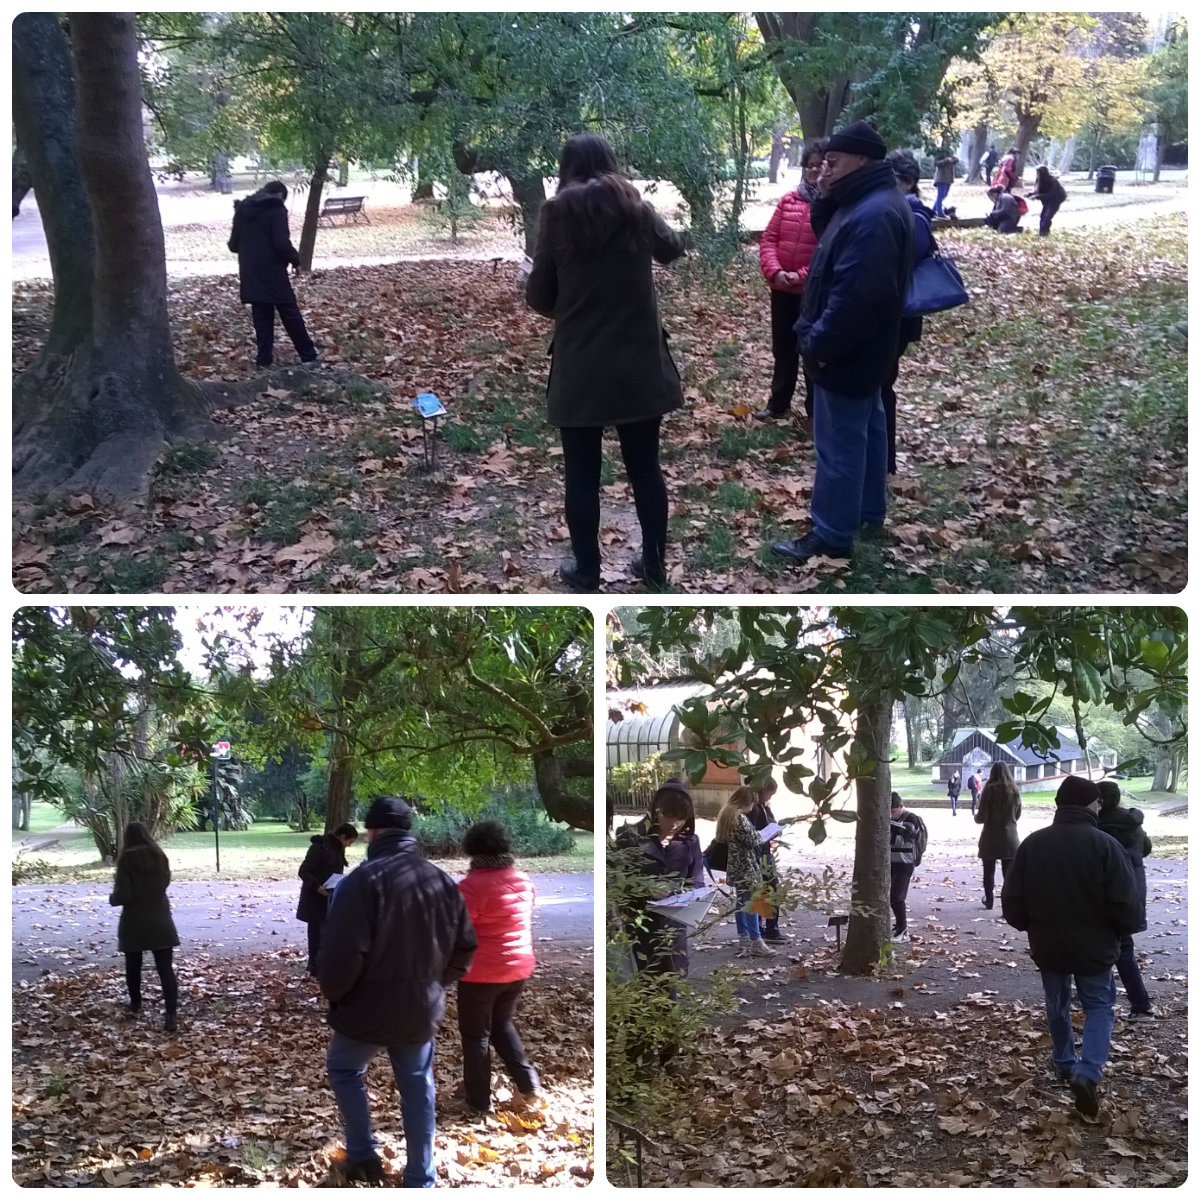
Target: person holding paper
[(326, 857), (744, 872), (761, 817)]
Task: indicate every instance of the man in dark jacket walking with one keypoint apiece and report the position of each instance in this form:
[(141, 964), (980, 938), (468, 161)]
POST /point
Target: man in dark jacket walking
[(1071, 889), (396, 936), (326, 857), (849, 332), (261, 240)]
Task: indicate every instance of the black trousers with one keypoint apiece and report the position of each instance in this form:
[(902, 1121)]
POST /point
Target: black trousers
[(314, 941), (888, 392), (785, 309), (989, 877), (485, 1017), (166, 976), (293, 323), (581, 473), (902, 874)]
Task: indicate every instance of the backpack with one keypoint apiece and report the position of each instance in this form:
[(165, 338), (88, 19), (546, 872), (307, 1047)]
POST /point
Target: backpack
[(920, 840), (1022, 207), (716, 857), (909, 836)]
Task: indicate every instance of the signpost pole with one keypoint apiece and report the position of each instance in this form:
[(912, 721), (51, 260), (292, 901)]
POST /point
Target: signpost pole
[(220, 753)]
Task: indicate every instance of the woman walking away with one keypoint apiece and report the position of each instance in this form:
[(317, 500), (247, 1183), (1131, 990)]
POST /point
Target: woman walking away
[(784, 252), (744, 873), (261, 240), (907, 174), (140, 891), (610, 366), (953, 787), (999, 812), (326, 856), (1125, 824), (943, 180), (1051, 193), (500, 901)]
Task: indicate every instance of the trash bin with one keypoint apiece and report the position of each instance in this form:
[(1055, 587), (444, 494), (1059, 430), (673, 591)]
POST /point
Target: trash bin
[(1105, 178)]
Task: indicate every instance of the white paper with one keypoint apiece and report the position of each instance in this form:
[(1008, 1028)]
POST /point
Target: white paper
[(767, 832), (687, 908), (333, 881)]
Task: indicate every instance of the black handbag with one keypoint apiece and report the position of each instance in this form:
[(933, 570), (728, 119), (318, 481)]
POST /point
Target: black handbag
[(936, 286)]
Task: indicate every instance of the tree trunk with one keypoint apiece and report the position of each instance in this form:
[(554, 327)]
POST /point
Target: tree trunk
[(870, 914), (1163, 771), (776, 156), (912, 731), (795, 153), (979, 137), (1027, 127), (562, 804), (22, 180), (340, 797), (529, 191), (312, 210), (93, 410)]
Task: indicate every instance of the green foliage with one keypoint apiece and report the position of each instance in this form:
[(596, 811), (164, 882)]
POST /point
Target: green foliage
[(440, 833), (1168, 71)]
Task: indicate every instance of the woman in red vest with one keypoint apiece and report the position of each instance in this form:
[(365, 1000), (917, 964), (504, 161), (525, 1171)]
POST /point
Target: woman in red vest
[(500, 901), (784, 252)]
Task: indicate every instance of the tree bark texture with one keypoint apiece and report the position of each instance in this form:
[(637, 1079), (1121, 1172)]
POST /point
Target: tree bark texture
[(312, 210), (870, 913), (92, 412), (22, 180), (818, 108), (979, 137), (529, 191), (561, 803)]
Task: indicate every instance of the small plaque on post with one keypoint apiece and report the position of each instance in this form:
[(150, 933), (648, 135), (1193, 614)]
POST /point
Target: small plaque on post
[(429, 408)]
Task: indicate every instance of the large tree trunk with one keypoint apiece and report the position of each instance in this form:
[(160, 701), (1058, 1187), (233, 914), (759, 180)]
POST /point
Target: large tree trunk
[(817, 108), (340, 796), (529, 191), (561, 804), (978, 150), (22, 180), (870, 913), (92, 412), (776, 156), (1027, 127), (312, 210)]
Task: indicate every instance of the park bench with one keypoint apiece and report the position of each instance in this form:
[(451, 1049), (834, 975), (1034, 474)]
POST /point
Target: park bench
[(350, 207)]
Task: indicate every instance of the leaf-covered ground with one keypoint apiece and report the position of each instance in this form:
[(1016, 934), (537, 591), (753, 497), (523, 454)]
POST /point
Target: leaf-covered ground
[(239, 1097), (1042, 439)]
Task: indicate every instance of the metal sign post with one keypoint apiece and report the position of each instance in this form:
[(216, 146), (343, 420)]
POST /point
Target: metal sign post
[(220, 753), (429, 408)]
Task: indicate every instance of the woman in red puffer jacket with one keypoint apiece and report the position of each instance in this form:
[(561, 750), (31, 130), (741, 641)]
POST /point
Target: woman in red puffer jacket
[(500, 901), (784, 252)]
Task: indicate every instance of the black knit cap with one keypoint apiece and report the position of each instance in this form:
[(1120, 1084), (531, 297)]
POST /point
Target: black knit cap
[(389, 812), (1075, 790), (674, 785), (858, 138)]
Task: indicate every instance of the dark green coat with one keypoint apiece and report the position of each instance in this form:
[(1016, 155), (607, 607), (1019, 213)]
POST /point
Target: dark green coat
[(140, 891), (610, 364), (998, 813)]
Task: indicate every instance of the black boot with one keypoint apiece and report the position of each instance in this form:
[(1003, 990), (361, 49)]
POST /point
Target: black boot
[(169, 1024), (577, 579), (652, 576)]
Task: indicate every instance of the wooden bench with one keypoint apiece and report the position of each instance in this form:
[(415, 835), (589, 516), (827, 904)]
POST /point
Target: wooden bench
[(350, 207)]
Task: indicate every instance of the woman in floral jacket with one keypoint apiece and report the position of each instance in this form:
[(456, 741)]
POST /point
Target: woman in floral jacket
[(744, 872), (784, 252)]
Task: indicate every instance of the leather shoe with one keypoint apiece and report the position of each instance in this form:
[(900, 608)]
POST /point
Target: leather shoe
[(1087, 1095), (576, 579), (800, 550), (773, 414), (637, 568)]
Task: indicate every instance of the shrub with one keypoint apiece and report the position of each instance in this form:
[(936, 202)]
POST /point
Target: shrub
[(439, 834)]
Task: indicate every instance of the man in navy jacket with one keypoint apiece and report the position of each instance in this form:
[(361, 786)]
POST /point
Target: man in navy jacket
[(1072, 890), (849, 332)]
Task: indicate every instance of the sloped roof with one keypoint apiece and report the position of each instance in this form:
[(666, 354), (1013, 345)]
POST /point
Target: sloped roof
[(1066, 751)]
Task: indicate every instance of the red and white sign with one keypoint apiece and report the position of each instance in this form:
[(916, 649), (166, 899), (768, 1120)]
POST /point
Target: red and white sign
[(221, 750)]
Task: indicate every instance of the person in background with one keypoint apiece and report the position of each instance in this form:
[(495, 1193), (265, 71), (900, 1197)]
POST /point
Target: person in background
[(999, 811), (988, 162), (953, 787), (908, 173), (326, 856), (592, 272), (500, 903), (1051, 193), (1071, 890), (140, 891), (760, 817), (396, 937), (1005, 216), (908, 838), (261, 240), (784, 252), (1125, 824), (1006, 172), (975, 786), (744, 872), (943, 179)]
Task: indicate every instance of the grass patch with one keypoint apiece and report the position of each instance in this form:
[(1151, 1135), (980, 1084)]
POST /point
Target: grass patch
[(465, 439), (285, 507), (129, 575), (187, 458), (717, 551), (737, 442)]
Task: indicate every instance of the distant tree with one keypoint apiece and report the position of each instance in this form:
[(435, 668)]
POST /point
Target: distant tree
[(1168, 73)]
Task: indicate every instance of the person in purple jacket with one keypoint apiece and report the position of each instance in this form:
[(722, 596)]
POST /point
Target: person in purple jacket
[(670, 849)]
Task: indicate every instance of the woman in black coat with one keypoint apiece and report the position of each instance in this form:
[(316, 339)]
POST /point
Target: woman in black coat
[(140, 891), (999, 811), (326, 856), (610, 365), (263, 244), (1051, 193)]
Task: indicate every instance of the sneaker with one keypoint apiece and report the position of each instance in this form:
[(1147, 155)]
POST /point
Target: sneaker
[(759, 949), (743, 949), (370, 1171), (800, 550), (902, 936), (576, 579), (1063, 1075), (1140, 1014), (1087, 1095), (773, 414)]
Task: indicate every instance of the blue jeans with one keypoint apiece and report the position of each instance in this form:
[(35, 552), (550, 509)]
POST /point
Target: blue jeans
[(747, 922), (1097, 995), (942, 190), (412, 1064), (850, 489)]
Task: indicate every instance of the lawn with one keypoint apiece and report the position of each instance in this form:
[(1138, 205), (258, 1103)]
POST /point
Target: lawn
[(913, 784), (1042, 439), (267, 850)]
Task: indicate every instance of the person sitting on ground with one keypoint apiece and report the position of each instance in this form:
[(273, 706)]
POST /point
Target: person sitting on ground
[(1125, 824), (999, 811), (500, 903), (1051, 193), (326, 856), (744, 873), (1005, 216), (908, 839)]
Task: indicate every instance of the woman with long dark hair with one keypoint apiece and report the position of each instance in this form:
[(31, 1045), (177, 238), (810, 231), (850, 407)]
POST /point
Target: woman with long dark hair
[(610, 366), (999, 811), (1051, 193), (140, 891)]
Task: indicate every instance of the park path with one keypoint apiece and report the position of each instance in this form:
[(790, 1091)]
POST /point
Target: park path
[(69, 927)]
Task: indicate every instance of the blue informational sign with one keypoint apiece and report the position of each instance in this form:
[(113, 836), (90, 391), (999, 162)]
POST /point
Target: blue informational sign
[(428, 405)]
